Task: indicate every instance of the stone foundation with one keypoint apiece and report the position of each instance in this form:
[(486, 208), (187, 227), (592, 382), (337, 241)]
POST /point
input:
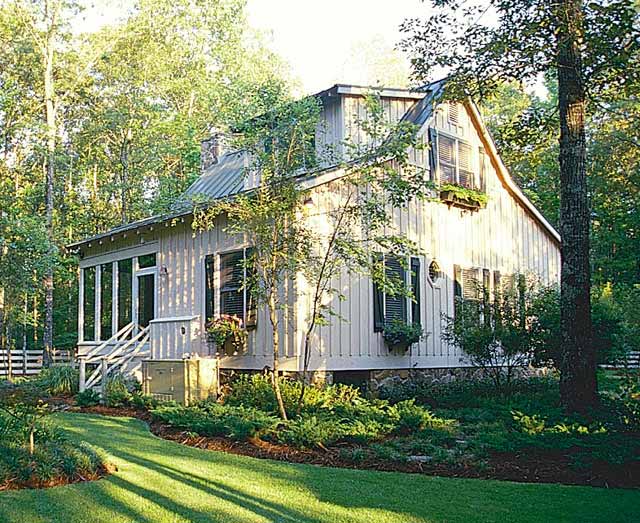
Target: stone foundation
[(391, 377), (376, 379)]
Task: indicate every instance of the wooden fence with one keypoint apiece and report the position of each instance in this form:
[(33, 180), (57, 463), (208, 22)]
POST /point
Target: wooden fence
[(19, 362)]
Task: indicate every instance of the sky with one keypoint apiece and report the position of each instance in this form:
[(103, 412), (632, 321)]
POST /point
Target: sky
[(323, 42), (316, 38)]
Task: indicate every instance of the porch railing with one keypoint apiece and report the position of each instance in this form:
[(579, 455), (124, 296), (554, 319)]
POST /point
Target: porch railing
[(124, 351)]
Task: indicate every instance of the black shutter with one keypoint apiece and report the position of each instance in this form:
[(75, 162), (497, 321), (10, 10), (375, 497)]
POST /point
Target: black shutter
[(433, 154), (209, 280), (415, 289), (395, 306), (378, 304), (457, 289), (231, 281)]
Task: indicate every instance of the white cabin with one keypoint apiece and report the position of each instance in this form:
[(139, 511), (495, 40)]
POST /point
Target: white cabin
[(159, 281)]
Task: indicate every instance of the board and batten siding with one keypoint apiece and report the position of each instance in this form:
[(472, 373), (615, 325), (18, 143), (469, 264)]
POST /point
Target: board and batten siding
[(503, 237), (182, 292)]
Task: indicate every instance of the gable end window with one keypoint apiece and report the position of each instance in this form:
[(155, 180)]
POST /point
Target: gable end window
[(399, 307), (455, 162)]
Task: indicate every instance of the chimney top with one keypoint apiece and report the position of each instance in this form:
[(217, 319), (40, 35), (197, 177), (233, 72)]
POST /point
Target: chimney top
[(211, 149)]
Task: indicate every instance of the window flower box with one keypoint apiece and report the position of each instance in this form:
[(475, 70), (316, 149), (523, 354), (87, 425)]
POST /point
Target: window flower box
[(228, 334), (400, 335), (458, 196)]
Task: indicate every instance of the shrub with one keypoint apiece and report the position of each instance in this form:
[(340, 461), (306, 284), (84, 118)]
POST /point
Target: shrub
[(624, 403), (398, 333), (143, 401), (252, 390), (256, 391), (310, 431), (87, 398), (413, 418), (461, 393), (213, 419), (34, 452), (119, 390), (53, 461), (59, 380)]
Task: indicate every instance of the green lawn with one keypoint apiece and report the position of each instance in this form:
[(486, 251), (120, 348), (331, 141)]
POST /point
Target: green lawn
[(160, 481)]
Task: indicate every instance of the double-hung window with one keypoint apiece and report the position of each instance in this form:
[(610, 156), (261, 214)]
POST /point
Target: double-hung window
[(234, 292), (455, 161), (388, 307)]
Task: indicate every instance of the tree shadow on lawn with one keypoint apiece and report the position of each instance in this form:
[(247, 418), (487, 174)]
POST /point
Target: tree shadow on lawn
[(161, 480)]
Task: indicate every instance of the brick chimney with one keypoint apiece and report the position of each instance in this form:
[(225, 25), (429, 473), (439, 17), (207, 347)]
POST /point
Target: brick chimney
[(211, 149)]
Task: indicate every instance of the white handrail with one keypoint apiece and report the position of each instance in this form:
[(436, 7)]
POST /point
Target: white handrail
[(121, 333), (118, 358), (113, 355)]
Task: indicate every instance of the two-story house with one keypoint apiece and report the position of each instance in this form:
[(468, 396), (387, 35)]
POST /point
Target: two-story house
[(153, 284)]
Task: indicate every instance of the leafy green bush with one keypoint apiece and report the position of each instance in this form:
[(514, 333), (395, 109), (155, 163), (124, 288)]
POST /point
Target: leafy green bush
[(143, 401), (53, 461), (33, 451), (464, 393), (213, 419), (398, 333), (120, 389), (310, 431), (256, 391), (413, 418), (87, 398), (59, 380)]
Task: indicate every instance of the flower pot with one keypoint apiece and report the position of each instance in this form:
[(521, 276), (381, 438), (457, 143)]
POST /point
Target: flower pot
[(399, 346)]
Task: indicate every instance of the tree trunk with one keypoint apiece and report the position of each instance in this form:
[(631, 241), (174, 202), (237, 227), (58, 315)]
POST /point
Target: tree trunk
[(124, 174), (578, 388), (273, 315), (50, 113)]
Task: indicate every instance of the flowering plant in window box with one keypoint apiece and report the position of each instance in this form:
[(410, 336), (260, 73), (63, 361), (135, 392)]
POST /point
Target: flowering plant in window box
[(399, 334), (460, 196), (228, 333)]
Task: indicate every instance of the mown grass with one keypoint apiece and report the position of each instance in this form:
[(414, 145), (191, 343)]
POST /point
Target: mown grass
[(160, 481)]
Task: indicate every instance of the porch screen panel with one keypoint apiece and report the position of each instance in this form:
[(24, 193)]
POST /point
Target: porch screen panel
[(106, 301), (147, 260), (395, 306), (89, 303), (209, 277), (447, 159), (146, 299), (231, 283), (125, 292)]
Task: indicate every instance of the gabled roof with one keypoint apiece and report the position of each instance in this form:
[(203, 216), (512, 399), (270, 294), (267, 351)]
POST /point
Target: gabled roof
[(227, 176)]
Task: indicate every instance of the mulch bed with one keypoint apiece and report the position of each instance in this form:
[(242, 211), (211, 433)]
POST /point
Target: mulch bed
[(525, 467)]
